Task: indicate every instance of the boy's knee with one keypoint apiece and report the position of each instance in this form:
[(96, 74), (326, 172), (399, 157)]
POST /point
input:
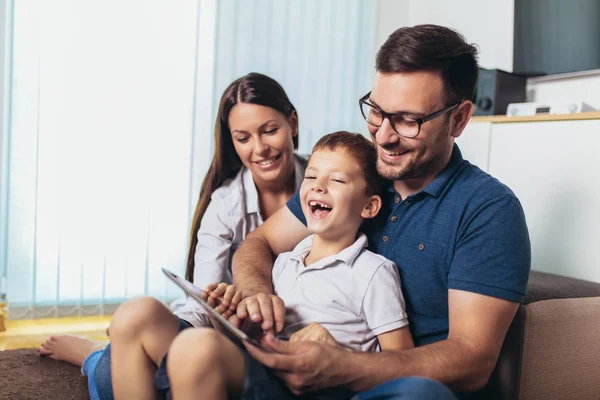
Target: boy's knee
[(134, 315), (195, 350)]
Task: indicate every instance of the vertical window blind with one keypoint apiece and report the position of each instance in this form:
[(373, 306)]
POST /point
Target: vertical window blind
[(109, 118)]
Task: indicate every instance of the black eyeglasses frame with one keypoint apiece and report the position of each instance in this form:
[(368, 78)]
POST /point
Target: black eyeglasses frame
[(389, 116)]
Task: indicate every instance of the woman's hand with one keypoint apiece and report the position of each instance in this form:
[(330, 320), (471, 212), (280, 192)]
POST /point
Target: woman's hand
[(224, 298), (314, 332)]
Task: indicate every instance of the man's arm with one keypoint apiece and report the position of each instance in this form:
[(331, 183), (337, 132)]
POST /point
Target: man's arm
[(253, 262), (463, 362)]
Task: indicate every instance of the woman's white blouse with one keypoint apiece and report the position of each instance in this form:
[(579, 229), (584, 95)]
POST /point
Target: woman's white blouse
[(231, 215)]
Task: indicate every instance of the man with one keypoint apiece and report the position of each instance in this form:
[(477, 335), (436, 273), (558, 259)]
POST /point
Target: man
[(457, 235)]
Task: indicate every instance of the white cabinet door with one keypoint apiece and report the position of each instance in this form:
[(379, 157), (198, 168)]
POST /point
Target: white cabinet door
[(474, 143), (553, 168)]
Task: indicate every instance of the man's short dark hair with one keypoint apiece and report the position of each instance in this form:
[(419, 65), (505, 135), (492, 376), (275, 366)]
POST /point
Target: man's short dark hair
[(432, 48)]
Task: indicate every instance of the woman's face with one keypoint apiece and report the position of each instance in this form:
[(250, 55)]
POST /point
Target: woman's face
[(262, 138)]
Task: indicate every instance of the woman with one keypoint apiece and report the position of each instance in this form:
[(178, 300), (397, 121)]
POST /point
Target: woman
[(253, 173)]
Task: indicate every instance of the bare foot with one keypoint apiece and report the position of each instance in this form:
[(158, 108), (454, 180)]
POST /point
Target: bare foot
[(72, 349)]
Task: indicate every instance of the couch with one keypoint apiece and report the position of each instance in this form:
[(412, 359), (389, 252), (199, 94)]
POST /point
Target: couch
[(552, 348)]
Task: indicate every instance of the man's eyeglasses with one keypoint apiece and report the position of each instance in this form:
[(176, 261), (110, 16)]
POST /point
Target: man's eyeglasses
[(401, 123)]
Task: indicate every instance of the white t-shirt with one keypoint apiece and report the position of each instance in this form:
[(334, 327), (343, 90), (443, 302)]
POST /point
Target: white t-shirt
[(355, 295)]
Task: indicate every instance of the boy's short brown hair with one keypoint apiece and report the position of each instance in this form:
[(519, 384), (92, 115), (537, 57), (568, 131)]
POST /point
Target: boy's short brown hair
[(361, 149)]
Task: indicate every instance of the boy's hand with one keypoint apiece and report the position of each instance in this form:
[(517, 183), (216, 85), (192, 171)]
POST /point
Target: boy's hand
[(263, 308), (224, 298), (314, 332)]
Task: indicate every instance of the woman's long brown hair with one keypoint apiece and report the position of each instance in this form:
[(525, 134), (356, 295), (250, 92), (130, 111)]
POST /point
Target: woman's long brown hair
[(253, 88)]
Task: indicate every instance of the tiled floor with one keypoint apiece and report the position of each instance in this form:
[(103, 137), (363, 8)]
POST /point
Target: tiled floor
[(31, 333)]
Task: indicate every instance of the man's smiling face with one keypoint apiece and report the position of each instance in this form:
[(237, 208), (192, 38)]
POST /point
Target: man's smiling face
[(416, 94)]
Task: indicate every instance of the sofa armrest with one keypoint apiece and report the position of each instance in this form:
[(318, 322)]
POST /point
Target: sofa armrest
[(551, 348), (561, 350)]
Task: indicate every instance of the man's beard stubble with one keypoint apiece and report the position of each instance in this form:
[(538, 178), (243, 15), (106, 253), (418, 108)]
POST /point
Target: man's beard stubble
[(415, 169), (411, 171)]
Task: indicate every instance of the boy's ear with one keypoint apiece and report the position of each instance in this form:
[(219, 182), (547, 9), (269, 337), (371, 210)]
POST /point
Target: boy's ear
[(372, 207)]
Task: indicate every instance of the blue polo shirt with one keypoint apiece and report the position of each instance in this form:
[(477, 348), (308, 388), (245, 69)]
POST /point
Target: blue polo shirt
[(464, 231)]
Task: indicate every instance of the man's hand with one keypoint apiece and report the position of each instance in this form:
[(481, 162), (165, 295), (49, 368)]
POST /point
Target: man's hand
[(314, 332), (266, 309), (222, 297), (304, 366)]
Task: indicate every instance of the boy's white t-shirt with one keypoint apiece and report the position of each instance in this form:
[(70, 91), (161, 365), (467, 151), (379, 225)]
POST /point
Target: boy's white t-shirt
[(356, 294)]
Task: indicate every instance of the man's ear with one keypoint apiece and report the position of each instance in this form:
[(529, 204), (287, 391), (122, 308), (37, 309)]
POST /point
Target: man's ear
[(461, 117), (371, 209)]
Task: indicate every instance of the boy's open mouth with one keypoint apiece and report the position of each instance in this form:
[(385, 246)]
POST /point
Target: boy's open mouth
[(318, 209)]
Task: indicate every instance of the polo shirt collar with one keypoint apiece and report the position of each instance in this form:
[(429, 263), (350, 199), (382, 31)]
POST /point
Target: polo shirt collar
[(251, 194), (437, 186), (346, 256)]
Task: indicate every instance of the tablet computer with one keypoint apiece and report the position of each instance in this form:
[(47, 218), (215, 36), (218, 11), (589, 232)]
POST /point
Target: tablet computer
[(220, 322)]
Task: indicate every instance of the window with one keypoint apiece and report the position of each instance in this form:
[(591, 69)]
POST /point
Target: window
[(111, 107)]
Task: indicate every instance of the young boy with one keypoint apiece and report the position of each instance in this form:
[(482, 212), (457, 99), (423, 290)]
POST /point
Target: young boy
[(334, 289)]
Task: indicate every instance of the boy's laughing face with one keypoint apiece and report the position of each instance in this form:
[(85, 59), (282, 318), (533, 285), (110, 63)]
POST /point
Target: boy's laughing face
[(334, 194)]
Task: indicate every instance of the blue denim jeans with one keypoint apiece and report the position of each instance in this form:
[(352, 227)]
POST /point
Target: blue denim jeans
[(412, 387), (88, 369), (262, 384)]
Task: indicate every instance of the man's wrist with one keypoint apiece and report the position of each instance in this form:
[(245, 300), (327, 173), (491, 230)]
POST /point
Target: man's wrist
[(254, 290), (360, 371), (349, 368)]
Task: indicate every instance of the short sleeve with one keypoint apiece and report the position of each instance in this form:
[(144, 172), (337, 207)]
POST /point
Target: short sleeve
[(493, 253), (296, 208), (279, 265), (383, 304)]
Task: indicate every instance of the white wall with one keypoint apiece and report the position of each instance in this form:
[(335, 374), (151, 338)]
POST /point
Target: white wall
[(555, 180), (391, 15), (489, 24), (568, 89)]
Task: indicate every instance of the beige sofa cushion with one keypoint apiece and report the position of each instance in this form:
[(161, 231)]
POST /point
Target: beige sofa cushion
[(561, 350), (562, 316)]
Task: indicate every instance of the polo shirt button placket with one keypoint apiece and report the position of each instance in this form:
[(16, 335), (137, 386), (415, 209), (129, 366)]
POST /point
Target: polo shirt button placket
[(399, 211)]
